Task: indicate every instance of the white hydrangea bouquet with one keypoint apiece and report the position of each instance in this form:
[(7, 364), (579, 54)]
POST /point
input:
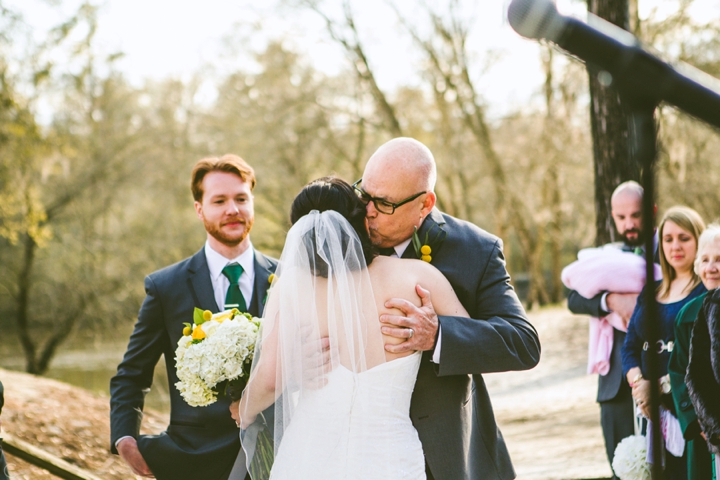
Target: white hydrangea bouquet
[(630, 459), (215, 348)]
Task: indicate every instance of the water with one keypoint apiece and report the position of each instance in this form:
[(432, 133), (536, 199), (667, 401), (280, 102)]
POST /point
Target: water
[(90, 366)]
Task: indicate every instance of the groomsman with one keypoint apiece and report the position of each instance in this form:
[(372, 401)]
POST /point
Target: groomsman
[(200, 442), (450, 406), (614, 394)]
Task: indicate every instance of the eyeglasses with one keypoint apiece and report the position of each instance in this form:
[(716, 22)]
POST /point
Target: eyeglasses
[(382, 205)]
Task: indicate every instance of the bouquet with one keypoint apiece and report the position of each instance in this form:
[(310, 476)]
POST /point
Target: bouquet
[(629, 461), (215, 348)]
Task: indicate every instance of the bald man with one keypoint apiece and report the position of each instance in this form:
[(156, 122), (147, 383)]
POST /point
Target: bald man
[(614, 394), (450, 405)]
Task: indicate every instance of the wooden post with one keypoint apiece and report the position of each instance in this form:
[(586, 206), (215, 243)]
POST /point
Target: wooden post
[(45, 460)]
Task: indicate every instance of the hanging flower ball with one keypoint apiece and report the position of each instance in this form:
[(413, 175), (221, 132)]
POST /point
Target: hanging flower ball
[(187, 331), (207, 315), (271, 278), (426, 258), (425, 250), (629, 461)]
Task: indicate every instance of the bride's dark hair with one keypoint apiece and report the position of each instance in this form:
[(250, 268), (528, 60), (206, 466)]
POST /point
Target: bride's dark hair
[(332, 193)]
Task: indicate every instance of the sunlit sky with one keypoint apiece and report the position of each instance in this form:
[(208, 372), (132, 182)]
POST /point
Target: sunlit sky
[(162, 38)]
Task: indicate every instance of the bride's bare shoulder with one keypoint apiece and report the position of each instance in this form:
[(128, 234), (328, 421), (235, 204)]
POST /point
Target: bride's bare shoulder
[(405, 267)]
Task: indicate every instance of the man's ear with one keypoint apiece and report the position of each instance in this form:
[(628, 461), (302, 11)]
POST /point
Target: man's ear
[(429, 203), (198, 210)]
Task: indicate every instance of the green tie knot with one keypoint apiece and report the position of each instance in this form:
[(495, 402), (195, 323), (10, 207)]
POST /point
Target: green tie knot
[(234, 297), (233, 272)]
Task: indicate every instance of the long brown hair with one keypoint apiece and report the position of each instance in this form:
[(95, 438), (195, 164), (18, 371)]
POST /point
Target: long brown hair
[(690, 221)]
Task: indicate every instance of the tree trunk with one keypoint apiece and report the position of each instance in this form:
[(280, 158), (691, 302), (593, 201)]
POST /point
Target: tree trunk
[(23, 303), (551, 182), (609, 125)]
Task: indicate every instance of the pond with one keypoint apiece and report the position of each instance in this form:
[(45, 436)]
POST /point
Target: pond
[(91, 365)]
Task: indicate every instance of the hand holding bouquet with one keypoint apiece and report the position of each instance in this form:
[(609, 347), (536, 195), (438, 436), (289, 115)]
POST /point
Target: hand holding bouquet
[(215, 348)]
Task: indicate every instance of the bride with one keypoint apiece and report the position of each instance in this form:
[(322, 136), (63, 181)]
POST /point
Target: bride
[(341, 402)]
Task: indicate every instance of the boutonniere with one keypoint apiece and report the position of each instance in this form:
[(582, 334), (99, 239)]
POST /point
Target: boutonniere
[(431, 244), (271, 279)]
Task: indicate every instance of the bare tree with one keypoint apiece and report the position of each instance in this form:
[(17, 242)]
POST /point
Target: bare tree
[(609, 124), (551, 182), (447, 53), (60, 173), (345, 32)]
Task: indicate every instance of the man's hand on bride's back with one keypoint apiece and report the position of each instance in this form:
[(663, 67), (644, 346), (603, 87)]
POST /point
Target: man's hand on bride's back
[(317, 361), (417, 326)]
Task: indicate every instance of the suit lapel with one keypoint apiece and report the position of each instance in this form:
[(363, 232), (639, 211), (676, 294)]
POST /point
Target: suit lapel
[(200, 283), (262, 273), (409, 252), (434, 218)]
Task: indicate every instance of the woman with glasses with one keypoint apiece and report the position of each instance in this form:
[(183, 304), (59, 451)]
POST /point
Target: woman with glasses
[(678, 235)]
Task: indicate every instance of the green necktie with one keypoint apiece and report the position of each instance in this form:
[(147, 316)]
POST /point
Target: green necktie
[(234, 297)]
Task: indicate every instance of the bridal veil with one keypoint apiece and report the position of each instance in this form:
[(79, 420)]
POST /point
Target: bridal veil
[(322, 295)]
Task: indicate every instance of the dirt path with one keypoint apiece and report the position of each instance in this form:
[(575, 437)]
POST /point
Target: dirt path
[(548, 415), (66, 421)]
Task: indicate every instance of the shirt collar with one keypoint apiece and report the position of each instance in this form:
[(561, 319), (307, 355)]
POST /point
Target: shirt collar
[(216, 262), (400, 249), (630, 248)]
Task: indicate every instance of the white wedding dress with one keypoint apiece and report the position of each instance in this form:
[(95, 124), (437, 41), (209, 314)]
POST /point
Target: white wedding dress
[(367, 417), (342, 412)]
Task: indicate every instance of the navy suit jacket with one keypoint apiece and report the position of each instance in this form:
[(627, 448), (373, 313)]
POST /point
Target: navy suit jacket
[(450, 406), (610, 383), (200, 442)]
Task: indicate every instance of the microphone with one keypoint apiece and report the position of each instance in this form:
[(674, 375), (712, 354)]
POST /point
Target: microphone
[(642, 77)]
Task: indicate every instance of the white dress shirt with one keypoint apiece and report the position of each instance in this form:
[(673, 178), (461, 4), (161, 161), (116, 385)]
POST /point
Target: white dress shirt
[(220, 283), (399, 250)]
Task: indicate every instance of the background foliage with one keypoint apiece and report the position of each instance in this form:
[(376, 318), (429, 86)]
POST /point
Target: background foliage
[(95, 195)]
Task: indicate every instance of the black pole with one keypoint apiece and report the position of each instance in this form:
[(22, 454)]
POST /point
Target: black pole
[(643, 138)]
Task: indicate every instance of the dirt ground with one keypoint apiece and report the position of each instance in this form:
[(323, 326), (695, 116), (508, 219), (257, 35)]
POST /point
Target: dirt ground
[(548, 415)]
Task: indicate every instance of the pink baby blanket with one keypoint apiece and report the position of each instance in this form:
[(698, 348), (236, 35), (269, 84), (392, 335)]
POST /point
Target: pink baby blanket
[(605, 269)]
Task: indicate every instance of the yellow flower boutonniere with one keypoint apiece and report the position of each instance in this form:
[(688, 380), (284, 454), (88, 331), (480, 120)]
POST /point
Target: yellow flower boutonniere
[(433, 239), (271, 279)]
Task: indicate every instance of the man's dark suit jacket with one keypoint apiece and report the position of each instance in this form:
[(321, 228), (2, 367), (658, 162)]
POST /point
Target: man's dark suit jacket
[(610, 383), (450, 405), (200, 442)]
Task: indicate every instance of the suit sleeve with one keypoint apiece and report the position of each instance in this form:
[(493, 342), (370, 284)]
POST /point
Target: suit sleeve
[(586, 306), (632, 348), (500, 339), (135, 373), (677, 366)]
